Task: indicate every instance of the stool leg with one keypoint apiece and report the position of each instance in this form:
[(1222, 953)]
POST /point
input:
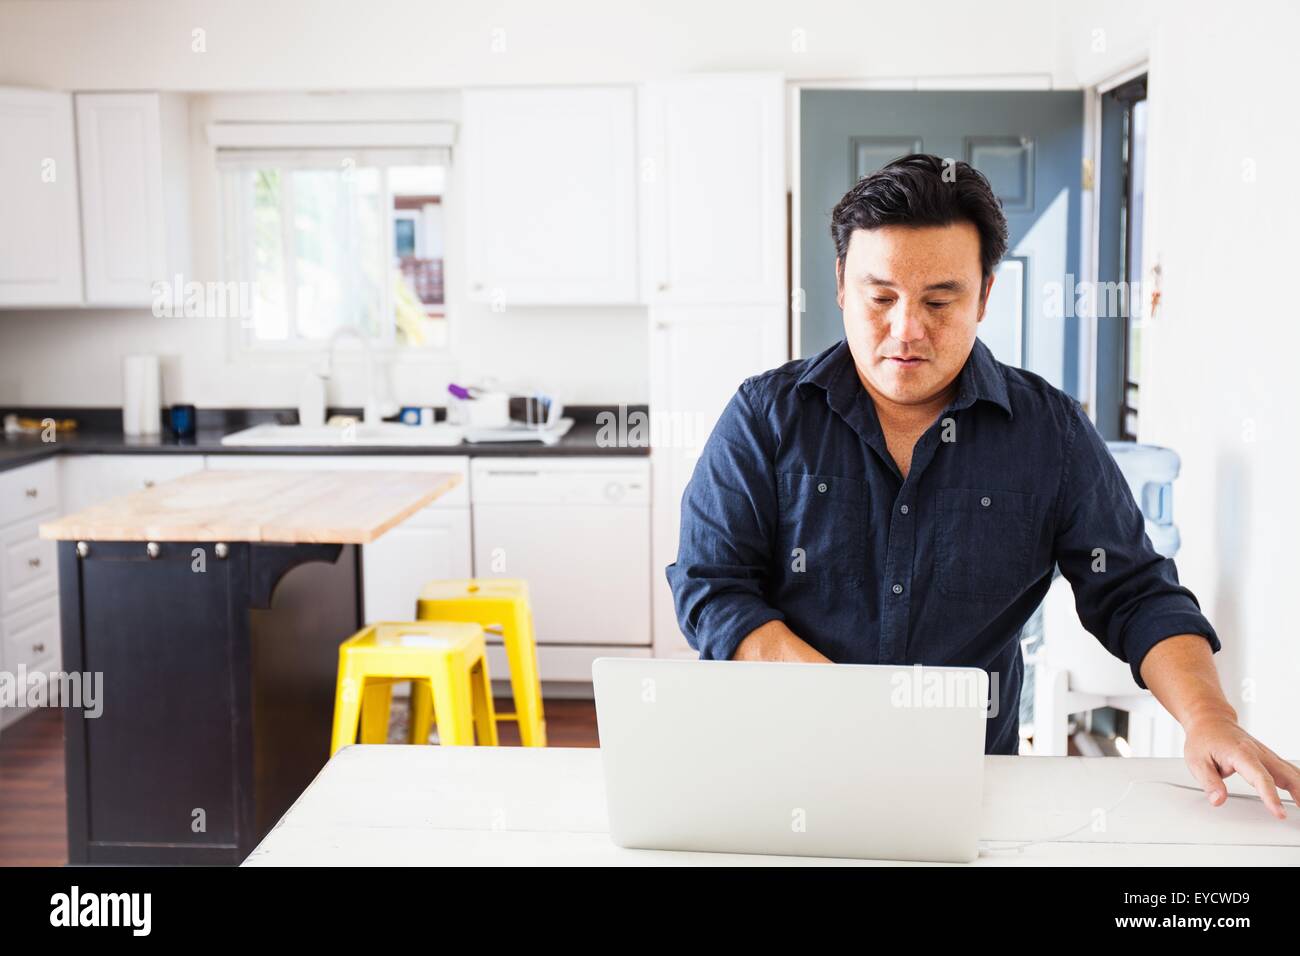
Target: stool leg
[(525, 685), (421, 712), (455, 718), (485, 719), (347, 707), (375, 704)]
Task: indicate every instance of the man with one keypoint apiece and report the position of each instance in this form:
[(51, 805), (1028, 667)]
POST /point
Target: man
[(903, 497)]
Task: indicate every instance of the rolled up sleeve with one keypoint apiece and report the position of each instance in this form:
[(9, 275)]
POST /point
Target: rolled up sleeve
[(1127, 594), (729, 512)]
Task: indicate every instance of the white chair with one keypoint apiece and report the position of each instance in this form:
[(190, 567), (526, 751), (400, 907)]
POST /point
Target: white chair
[(1074, 673)]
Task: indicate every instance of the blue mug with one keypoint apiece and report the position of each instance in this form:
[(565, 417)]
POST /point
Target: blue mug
[(183, 420)]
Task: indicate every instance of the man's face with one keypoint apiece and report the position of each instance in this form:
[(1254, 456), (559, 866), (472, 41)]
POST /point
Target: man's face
[(912, 299)]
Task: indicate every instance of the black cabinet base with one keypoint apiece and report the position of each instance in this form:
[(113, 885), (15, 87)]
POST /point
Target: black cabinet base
[(216, 691)]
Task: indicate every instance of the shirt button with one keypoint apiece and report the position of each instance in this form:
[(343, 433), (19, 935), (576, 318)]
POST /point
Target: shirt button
[(898, 589), (903, 509), (986, 501), (822, 487)]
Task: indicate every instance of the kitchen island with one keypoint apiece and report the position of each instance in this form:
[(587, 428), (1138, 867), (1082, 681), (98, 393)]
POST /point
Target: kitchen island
[(207, 612)]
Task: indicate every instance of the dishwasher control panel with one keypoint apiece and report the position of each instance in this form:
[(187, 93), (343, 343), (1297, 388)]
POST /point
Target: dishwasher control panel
[(583, 481)]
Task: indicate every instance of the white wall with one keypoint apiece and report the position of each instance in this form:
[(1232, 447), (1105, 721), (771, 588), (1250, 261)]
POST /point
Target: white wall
[(396, 44), (1220, 377), (1100, 38)]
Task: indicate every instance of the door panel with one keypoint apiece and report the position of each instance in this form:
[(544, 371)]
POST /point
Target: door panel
[(119, 144), (431, 545), (1027, 143), (712, 190), (872, 152), (1004, 328), (40, 228), (151, 630), (573, 152), (699, 357)]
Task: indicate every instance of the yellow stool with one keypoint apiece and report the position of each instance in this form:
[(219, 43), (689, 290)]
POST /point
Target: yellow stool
[(447, 660), (489, 602)]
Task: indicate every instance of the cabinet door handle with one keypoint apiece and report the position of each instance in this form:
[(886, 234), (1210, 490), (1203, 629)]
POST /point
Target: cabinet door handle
[(31, 492), (38, 648), (34, 562)]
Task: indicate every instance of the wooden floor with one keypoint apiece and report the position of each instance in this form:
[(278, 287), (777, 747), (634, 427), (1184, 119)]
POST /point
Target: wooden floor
[(33, 826)]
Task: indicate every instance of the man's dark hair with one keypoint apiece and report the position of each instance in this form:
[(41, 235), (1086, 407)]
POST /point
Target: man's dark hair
[(923, 190)]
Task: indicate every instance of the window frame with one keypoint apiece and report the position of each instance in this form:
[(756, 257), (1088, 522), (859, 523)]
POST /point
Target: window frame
[(235, 222)]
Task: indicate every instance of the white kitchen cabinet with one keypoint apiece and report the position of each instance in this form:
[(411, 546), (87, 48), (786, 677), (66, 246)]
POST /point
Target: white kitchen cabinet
[(29, 609), (87, 480), (40, 232), (433, 543), (28, 491), (31, 636), (550, 196), (30, 647), (132, 150), (698, 358), (713, 209), (30, 562)]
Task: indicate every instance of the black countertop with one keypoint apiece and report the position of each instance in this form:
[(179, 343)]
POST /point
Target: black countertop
[(94, 438)]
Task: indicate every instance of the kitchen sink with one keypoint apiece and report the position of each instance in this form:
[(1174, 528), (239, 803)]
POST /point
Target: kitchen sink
[(383, 433)]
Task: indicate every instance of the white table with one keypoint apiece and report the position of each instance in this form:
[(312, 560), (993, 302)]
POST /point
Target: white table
[(407, 805)]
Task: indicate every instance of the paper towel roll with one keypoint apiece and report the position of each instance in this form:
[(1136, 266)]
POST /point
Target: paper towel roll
[(141, 404)]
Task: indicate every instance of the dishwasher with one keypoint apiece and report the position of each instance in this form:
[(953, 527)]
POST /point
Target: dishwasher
[(578, 531)]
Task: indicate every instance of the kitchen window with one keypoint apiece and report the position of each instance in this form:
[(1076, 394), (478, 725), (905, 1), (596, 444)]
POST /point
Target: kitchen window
[(323, 239)]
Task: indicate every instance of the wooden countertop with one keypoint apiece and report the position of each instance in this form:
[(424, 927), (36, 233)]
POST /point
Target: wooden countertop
[(285, 507)]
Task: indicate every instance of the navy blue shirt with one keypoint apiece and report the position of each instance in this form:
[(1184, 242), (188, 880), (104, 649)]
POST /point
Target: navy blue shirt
[(797, 512)]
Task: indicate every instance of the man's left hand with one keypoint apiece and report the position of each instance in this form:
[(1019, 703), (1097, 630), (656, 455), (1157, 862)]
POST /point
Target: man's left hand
[(1217, 748)]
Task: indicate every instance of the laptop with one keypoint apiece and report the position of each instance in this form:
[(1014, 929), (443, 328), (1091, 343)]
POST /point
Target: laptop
[(832, 760)]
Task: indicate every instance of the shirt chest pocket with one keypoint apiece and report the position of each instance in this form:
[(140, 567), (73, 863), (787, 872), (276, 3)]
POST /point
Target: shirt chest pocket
[(982, 542), (822, 531)]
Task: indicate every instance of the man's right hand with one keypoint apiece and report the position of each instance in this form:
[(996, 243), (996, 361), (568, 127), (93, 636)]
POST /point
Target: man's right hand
[(774, 641)]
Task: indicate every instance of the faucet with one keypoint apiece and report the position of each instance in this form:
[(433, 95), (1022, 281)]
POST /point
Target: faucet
[(371, 411)]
